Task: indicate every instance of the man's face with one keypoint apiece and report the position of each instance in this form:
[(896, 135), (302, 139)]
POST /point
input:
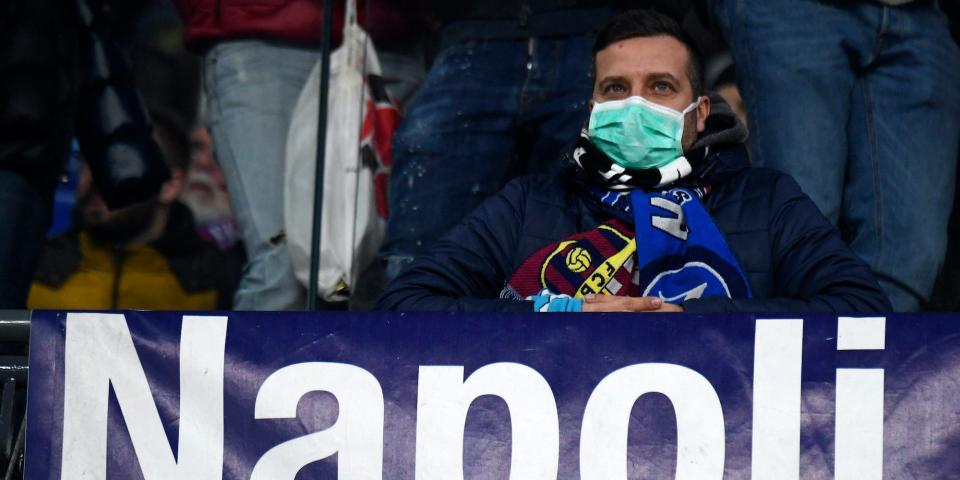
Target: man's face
[(654, 68)]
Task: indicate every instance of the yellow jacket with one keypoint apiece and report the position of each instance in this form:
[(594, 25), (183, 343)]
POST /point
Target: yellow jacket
[(77, 273)]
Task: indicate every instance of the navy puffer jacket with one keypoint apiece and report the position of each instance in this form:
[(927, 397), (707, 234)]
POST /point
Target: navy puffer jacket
[(794, 259)]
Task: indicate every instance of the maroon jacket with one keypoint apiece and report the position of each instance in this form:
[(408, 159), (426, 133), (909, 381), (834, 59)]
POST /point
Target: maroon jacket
[(296, 21)]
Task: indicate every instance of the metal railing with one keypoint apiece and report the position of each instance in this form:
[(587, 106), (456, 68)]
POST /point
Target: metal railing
[(14, 342)]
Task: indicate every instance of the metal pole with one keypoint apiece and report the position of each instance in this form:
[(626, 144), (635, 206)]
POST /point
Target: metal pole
[(312, 303)]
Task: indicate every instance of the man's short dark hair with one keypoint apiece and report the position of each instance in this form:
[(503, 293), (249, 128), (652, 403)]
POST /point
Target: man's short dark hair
[(648, 23)]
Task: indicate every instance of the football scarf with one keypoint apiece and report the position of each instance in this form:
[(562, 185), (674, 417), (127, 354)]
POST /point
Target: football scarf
[(672, 250), (681, 254), (597, 168), (601, 260)]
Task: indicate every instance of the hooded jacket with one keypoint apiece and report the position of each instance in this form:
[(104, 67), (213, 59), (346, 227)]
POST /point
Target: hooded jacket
[(178, 271), (794, 259)]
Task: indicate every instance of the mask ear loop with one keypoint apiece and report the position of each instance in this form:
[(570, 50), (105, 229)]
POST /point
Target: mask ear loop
[(692, 106), (683, 114), (679, 167)]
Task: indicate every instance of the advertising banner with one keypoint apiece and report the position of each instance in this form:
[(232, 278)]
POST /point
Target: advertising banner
[(277, 396)]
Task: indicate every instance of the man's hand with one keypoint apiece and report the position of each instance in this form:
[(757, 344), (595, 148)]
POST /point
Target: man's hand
[(611, 303)]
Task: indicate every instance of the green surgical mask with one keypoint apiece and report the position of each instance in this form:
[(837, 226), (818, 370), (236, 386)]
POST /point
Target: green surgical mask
[(637, 133)]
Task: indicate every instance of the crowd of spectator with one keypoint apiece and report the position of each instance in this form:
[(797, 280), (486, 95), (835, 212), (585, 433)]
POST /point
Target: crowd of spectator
[(182, 110)]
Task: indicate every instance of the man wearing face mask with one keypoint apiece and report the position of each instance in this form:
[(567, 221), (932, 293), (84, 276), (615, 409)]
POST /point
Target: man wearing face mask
[(658, 210)]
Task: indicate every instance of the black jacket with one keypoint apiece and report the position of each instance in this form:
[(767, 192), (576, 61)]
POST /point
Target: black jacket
[(794, 259)]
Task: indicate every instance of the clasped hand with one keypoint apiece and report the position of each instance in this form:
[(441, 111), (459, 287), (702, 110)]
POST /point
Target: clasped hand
[(612, 303)]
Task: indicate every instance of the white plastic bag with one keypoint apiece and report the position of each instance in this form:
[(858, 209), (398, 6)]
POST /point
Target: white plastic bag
[(360, 122)]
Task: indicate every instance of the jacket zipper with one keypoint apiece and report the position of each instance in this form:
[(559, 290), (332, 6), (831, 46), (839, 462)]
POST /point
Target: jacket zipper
[(216, 12)]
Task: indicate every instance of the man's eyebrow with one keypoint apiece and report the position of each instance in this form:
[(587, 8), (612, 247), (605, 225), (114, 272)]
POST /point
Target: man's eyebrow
[(663, 76), (612, 78)]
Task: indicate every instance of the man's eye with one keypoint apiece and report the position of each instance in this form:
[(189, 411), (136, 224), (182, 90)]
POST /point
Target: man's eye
[(662, 87), (615, 88)]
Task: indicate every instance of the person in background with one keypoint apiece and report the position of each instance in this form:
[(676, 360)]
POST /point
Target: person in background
[(39, 81), (658, 210), (144, 256), (61, 75), (257, 55), (946, 293), (205, 193), (721, 77), (859, 102)]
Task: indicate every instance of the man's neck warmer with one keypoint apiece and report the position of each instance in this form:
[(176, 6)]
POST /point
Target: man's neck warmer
[(598, 169)]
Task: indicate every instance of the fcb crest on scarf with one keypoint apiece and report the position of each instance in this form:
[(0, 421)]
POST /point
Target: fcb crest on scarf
[(601, 260)]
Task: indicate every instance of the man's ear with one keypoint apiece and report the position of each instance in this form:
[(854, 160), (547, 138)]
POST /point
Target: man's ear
[(703, 111)]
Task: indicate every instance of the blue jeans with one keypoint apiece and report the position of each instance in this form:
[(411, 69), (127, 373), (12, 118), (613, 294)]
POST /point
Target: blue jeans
[(25, 211), (252, 88), (487, 111), (860, 103)]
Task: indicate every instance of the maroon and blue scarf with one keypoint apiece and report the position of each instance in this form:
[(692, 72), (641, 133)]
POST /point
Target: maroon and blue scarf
[(659, 242)]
